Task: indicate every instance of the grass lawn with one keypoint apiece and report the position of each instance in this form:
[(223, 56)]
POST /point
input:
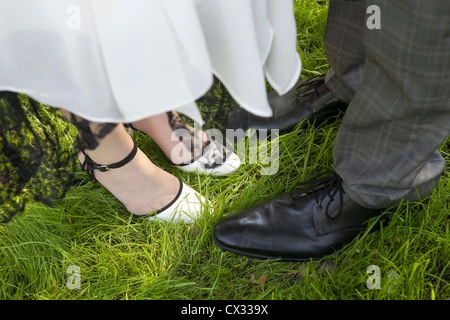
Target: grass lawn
[(121, 257)]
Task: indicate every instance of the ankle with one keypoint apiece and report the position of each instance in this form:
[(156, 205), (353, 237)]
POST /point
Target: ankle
[(135, 181), (112, 148)]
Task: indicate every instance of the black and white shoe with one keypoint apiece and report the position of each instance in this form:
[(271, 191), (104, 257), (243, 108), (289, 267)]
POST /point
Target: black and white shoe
[(215, 159)]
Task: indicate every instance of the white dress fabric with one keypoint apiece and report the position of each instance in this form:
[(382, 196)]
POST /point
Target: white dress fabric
[(121, 61)]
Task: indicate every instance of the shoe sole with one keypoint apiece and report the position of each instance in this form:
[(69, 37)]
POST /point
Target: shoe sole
[(266, 257)]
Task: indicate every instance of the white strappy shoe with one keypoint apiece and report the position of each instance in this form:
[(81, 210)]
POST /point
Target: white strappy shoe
[(186, 207), (215, 159)]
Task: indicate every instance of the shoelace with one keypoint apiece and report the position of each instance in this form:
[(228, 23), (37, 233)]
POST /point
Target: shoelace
[(311, 83), (327, 184)]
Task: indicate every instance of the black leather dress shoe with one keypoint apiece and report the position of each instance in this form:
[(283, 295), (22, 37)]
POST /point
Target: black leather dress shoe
[(308, 99), (303, 225)]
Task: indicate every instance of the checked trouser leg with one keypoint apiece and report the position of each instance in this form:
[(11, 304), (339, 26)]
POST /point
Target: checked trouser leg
[(397, 79)]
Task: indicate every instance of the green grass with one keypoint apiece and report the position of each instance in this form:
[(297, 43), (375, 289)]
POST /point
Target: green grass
[(121, 257)]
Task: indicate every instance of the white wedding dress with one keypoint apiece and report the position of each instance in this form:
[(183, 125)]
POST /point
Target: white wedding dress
[(124, 60)]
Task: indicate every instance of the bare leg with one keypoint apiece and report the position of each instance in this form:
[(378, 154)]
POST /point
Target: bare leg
[(140, 185), (179, 142)]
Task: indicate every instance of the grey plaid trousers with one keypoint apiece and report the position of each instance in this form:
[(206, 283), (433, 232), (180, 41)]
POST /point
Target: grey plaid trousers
[(397, 79)]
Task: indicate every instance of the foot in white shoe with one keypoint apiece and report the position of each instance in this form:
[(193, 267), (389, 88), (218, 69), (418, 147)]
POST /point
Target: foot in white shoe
[(135, 187), (189, 149)]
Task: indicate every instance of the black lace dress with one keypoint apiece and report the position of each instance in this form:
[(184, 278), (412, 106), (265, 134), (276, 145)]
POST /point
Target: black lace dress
[(38, 148)]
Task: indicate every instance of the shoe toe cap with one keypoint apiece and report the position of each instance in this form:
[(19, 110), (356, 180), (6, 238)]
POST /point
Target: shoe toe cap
[(189, 206)]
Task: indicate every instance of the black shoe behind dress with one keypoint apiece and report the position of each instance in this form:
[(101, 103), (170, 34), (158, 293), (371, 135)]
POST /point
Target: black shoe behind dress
[(308, 99)]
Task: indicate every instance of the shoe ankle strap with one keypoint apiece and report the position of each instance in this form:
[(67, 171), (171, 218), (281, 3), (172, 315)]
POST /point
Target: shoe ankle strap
[(90, 165), (129, 125)]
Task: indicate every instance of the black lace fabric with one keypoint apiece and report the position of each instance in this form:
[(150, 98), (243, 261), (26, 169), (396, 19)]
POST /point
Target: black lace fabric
[(38, 151)]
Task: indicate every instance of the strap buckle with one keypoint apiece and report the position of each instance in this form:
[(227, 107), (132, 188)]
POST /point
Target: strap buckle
[(89, 165), (102, 168)]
